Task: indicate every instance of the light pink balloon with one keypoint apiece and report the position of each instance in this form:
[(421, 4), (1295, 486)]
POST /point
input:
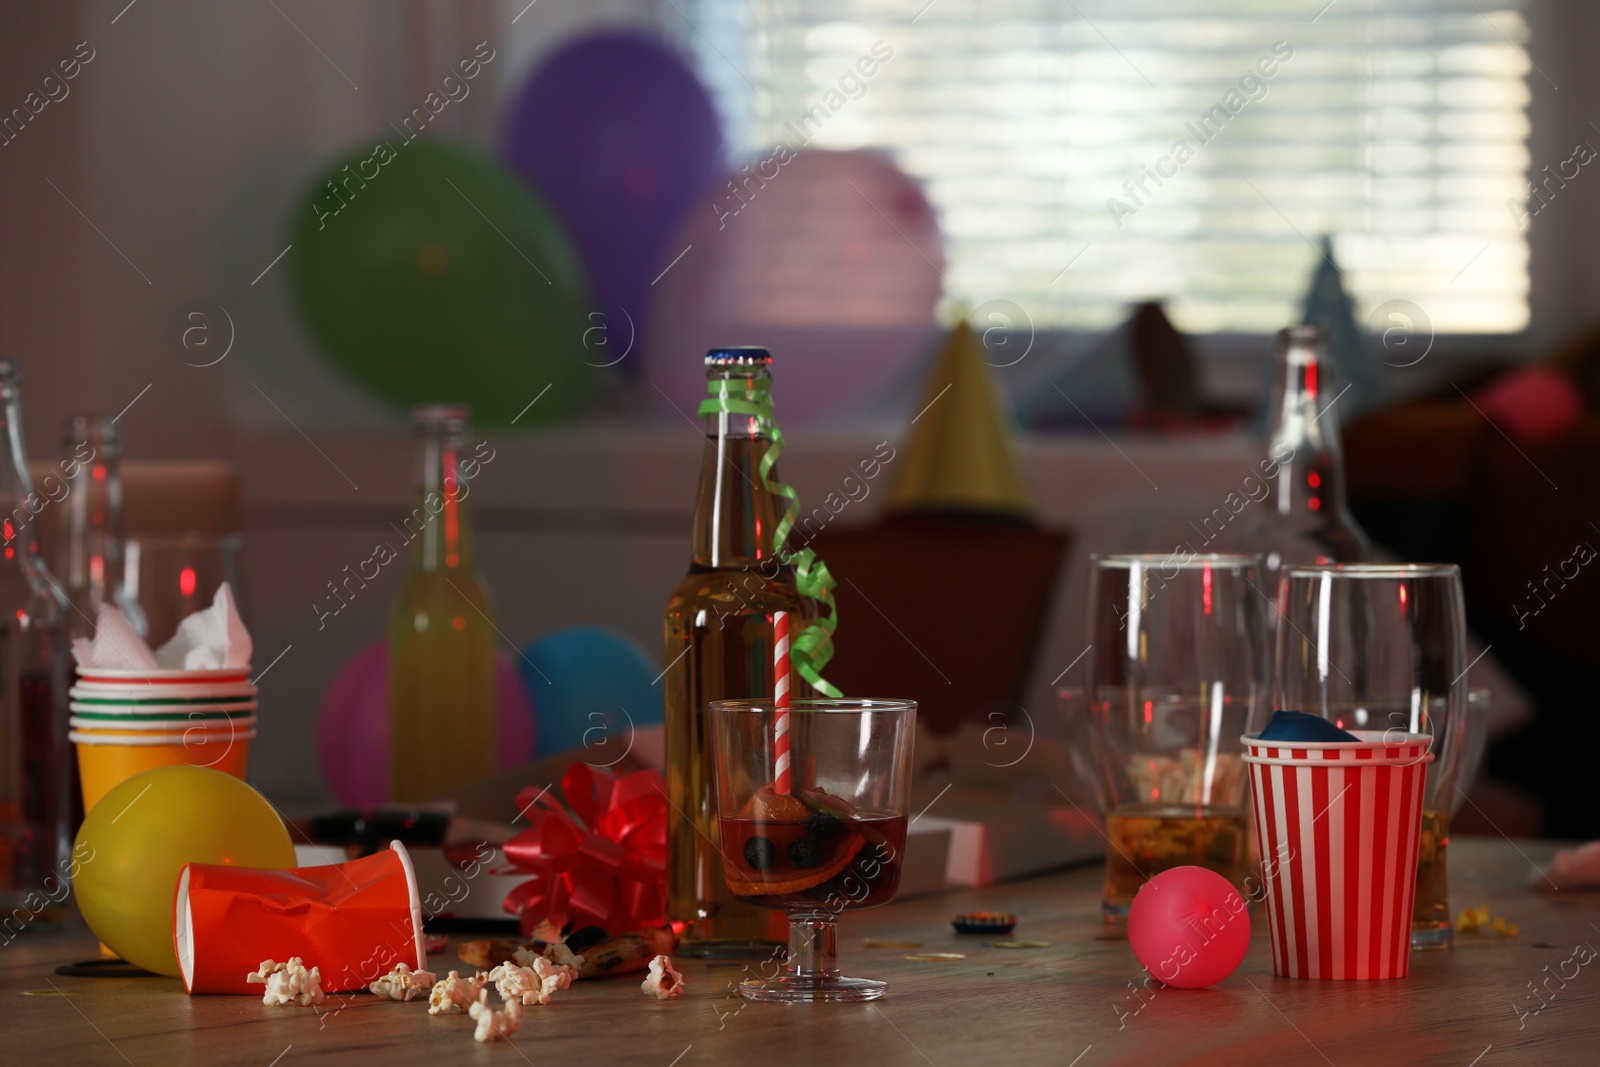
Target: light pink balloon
[(353, 728), (832, 260)]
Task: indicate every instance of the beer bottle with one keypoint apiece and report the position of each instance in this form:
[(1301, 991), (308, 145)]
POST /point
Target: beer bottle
[(718, 630), (1302, 517)]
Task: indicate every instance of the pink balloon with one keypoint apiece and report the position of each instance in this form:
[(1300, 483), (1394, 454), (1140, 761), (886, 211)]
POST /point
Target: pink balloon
[(1533, 404), (830, 259), (353, 729), (1189, 927)]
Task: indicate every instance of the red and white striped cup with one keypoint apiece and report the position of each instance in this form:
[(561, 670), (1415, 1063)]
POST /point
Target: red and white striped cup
[(1339, 824)]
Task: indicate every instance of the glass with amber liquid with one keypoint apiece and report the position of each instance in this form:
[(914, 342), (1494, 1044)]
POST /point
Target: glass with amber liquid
[(718, 635), (1144, 840), (1443, 796), (442, 703), (1384, 647), (1175, 674)]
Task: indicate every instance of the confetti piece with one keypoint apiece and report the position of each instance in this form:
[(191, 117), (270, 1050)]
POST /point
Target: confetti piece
[(878, 942), (931, 957), (1018, 944), (1479, 921)]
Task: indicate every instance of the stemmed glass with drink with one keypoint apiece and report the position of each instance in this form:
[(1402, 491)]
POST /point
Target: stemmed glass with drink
[(1175, 673), (1384, 647), (817, 833)]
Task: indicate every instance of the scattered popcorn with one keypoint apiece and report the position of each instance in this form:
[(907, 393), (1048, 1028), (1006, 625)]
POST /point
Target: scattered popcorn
[(433, 944), (495, 1025), (556, 952), (533, 984), (1474, 921), (546, 931), (664, 980), (403, 983), (288, 983), (452, 994)]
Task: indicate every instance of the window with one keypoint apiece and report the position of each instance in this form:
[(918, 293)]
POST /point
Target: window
[(1083, 154)]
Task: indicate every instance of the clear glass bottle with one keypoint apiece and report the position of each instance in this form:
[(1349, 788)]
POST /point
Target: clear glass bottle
[(1302, 516), (90, 556), (718, 630), (34, 755), (442, 633)]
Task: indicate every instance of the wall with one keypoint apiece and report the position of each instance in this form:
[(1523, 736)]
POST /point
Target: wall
[(167, 176)]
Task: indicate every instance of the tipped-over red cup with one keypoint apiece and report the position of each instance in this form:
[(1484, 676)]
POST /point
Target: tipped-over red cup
[(354, 921)]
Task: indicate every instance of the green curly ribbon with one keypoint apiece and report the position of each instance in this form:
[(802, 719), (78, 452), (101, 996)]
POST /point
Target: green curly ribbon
[(812, 647)]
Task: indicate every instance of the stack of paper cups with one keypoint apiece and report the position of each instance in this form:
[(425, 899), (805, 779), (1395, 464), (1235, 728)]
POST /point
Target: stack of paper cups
[(1338, 824), (128, 721)]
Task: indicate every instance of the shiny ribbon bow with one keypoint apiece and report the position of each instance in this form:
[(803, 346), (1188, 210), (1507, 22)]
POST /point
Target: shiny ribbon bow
[(606, 867), (812, 646)]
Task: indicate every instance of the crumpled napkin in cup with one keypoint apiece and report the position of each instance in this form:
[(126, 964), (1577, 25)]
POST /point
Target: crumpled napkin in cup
[(211, 638)]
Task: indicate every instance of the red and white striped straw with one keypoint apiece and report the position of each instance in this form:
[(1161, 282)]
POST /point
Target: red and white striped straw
[(780, 701)]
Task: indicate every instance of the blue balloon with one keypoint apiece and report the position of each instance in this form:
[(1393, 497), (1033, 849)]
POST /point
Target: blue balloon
[(1300, 726), (588, 684)]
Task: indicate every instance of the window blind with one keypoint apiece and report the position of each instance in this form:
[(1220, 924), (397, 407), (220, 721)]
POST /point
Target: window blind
[(1083, 154)]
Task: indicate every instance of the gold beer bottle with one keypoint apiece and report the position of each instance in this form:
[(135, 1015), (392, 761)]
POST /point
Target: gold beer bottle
[(718, 630), (442, 717)]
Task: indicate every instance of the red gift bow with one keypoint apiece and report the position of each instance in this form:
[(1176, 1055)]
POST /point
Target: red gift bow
[(608, 867)]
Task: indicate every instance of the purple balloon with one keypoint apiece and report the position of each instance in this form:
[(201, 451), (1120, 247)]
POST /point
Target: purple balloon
[(620, 136), (353, 729)]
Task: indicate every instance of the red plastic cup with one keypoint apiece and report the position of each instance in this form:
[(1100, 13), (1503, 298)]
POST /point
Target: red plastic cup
[(354, 921), (1339, 824)]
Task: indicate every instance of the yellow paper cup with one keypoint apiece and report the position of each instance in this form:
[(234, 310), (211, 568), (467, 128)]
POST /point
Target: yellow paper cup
[(107, 759)]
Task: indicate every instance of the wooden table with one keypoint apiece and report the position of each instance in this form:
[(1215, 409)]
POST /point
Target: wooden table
[(1069, 1005)]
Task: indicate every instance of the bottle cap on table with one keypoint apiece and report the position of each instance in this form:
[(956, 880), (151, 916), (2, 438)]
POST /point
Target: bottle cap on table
[(984, 922)]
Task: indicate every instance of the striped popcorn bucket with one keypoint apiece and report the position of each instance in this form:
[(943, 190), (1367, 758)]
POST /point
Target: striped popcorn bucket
[(1339, 824)]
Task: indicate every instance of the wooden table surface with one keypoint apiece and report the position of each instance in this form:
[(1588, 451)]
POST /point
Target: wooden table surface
[(1069, 1005)]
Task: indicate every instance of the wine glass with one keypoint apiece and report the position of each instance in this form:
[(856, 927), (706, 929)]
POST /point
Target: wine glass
[(833, 841), (1378, 646), (1176, 672)]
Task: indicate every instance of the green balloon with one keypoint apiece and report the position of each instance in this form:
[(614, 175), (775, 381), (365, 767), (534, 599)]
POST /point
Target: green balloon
[(431, 275)]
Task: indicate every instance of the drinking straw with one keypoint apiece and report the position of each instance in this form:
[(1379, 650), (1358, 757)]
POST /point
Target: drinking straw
[(780, 701)]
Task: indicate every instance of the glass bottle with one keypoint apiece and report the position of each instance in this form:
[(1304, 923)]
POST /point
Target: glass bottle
[(442, 633), (718, 630), (1302, 516), (90, 558), (34, 838)]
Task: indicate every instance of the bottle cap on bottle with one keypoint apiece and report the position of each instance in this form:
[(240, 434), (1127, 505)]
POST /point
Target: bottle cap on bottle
[(738, 356), (98, 430), (428, 416), (1309, 333)]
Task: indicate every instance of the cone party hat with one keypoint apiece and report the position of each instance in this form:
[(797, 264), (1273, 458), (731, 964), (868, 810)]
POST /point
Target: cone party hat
[(961, 456)]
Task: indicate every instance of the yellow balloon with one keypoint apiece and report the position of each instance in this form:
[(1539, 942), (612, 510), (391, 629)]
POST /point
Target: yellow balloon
[(135, 842)]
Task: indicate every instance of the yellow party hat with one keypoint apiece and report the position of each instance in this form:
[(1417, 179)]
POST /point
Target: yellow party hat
[(961, 456)]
